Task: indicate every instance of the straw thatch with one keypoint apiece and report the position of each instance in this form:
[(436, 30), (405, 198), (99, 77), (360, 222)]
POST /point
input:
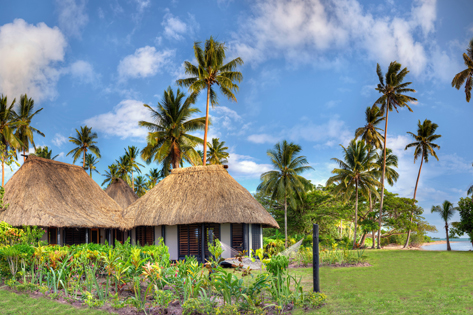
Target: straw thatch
[(44, 192), (198, 194), (119, 191)]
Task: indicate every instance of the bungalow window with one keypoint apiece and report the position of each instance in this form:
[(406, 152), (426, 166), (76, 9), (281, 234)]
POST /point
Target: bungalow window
[(74, 236), (190, 240), (145, 235), (52, 235), (237, 237), (119, 236), (215, 228), (255, 236), (94, 236)]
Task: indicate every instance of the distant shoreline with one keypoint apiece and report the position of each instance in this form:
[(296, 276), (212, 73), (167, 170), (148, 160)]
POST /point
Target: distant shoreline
[(440, 242)]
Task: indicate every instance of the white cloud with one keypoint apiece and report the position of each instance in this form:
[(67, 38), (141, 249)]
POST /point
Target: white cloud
[(244, 165), (142, 4), (332, 132), (58, 140), (176, 29), (332, 103), (29, 55), (263, 138), (145, 62), (304, 30), (122, 121), (72, 17), (83, 71)]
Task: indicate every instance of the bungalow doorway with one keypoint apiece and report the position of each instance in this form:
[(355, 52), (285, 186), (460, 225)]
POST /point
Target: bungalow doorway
[(194, 239)]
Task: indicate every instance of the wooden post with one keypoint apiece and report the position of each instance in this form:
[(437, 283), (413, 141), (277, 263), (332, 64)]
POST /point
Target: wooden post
[(87, 236), (58, 236), (315, 259)]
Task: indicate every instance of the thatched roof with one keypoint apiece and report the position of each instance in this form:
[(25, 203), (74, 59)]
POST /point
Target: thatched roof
[(45, 192), (196, 195), (119, 191)]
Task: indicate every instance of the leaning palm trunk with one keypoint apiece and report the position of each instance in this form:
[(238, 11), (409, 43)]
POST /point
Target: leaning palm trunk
[(382, 177), (206, 128), (285, 220), (412, 213), (448, 239), (356, 215)]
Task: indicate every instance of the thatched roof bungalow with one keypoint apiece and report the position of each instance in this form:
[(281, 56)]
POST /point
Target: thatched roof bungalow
[(192, 201), (62, 198), (122, 193)]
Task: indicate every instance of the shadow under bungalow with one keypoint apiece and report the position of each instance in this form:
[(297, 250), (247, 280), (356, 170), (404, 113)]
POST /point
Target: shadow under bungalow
[(182, 209)]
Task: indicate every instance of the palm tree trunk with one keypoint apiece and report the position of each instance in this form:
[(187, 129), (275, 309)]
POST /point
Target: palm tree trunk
[(363, 239), (382, 176), (3, 174), (285, 220), (373, 235), (448, 239), (90, 172), (132, 181), (356, 214), (206, 126), (83, 164), (24, 155), (412, 212)]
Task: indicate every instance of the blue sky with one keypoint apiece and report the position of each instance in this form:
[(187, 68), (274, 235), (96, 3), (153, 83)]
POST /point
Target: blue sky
[(309, 74)]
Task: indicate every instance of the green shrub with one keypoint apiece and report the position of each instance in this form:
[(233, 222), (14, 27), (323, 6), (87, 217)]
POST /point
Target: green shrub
[(277, 264)]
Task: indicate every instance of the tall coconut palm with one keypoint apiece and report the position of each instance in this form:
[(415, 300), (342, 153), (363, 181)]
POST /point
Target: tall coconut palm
[(85, 141), (8, 123), (110, 174), (132, 154), (25, 131), (355, 174), (140, 186), (124, 169), (217, 153), (392, 89), (285, 181), (44, 153), (169, 139), (90, 162), (424, 147), (466, 76), (154, 177), (211, 69), (369, 133), (446, 211)]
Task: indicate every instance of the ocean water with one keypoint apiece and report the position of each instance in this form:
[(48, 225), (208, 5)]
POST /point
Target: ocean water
[(461, 244)]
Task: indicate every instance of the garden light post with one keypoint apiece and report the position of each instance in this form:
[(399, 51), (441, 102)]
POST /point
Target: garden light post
[(315, 261)]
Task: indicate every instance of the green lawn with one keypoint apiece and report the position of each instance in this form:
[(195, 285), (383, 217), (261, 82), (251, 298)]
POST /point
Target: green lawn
[(12, 303), (400, 282)]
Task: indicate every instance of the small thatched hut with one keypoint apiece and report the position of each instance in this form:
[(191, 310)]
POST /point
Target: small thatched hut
[(122, 193), (192, 201), (63, 199)]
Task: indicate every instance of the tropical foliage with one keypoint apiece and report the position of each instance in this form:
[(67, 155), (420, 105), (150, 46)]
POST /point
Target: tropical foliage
[(217, 153), (90, 162), (446, 212), (84, 141), (466, 76), (45, 153), (24, 131)]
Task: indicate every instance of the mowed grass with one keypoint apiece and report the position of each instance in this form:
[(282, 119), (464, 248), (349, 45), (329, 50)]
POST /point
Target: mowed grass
[(400, 282), (12, 303)]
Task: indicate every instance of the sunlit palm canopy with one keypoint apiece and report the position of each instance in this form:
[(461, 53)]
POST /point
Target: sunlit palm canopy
[(140, 185), (110, 174), (466, 76), (370, 133), (85, 141), (446, 210), (8, 123), (391, 175), (44, 153), (25, 131), (217, 153), (90, 162), (424, 146)]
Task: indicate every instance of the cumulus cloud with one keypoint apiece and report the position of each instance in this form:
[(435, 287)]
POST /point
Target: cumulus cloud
[(72, 17), (145, 62), (122, 121), (176, 29), (29, 56), (263, 138), (243, 165), (303, 30), (58, 140), (83, 72)]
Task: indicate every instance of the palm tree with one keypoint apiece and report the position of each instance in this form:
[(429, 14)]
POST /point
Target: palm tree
[(132, 154), (392, 89), (111, 174), (466, 76), (8, 123), (285, 181), (370, 132), (169, 138), (154, 176), (355, 174), (140, 186), (446, 212), (44, 153), (217, 153), (124, 168), (211, 69), (90, 162), (84, 141), (25, 132), (424, 147)]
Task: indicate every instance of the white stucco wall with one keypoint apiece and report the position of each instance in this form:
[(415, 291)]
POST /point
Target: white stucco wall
[(226, 238), (171, 241), (250, 240), (157, 234)]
